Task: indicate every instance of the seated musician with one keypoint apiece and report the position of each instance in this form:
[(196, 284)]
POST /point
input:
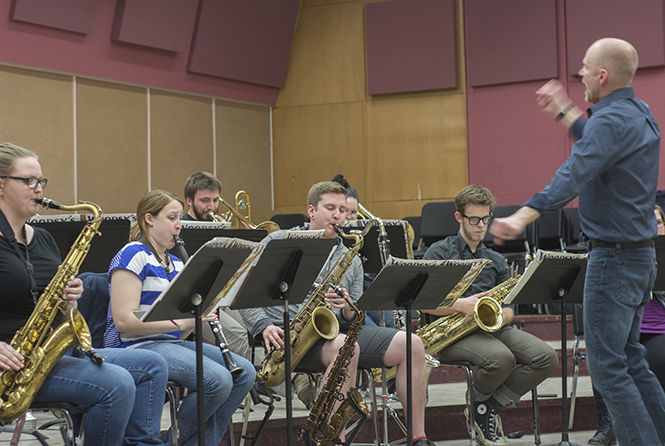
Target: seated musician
[(379, 346), (202, 191), (138, 274), (117, 396), (497, 382), (372, 317)]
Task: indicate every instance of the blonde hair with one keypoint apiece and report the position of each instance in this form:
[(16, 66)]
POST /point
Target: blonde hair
[(151, 203), (324, 187), (9, 153)]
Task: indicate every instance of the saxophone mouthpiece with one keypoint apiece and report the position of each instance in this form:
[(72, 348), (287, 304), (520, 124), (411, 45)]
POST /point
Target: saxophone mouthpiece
[(48, 203)]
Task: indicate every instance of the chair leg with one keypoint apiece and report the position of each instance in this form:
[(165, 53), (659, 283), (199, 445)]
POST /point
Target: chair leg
[(173, 410), (536, 420), (469, 404), (18, 430)]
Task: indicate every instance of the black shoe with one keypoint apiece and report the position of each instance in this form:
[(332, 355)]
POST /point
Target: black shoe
[(489, 431), (603, 438), (424, 442)]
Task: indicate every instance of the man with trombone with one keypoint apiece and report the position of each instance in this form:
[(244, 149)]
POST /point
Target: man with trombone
[(202, 194)]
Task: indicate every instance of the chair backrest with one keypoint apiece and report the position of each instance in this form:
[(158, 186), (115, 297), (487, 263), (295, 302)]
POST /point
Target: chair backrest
[(94, 304), (571, 226), (509, 246), (287, 221), (548, 232), (438, 221)]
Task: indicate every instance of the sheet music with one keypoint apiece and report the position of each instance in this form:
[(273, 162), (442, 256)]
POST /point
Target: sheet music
[(225, 243), (533, 266), (476, 266)]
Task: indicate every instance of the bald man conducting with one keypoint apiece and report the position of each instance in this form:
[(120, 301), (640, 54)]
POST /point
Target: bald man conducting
[(613, 167)]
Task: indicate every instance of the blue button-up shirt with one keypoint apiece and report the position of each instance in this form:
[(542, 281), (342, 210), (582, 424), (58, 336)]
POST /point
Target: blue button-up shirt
[(613, 167)]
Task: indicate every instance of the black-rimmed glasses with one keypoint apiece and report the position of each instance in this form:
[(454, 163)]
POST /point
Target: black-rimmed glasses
[(475, 221), (31, 182)]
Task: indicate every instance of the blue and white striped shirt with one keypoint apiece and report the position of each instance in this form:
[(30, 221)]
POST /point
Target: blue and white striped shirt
[(135, 257)]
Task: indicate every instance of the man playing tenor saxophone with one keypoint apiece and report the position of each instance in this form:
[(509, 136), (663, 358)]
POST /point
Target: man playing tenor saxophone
[(497, 382), (379, 346)]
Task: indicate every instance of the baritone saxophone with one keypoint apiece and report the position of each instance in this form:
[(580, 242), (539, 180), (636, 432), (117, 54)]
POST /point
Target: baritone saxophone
[(40, 344), (323, 427)]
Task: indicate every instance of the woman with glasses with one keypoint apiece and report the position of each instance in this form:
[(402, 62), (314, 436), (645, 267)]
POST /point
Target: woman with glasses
[(29, 257)]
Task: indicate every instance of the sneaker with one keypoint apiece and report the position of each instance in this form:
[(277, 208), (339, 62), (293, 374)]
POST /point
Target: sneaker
[(487, 423), (424, 442), (603, 438)]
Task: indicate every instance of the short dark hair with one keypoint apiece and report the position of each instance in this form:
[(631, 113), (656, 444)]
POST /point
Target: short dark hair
[(324, 187), (201, 181), (473, 194)]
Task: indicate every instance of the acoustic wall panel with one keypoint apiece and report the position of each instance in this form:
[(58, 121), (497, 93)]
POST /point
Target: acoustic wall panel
[(162, 24), (244, 41), (410, 46), (71, 15), (510, 41), (640, 24)]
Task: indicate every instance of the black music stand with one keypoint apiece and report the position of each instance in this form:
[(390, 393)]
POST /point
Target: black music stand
[(195, 288), (660, 258), (416, 285), (557, 278), (370, 252), (286, 270)]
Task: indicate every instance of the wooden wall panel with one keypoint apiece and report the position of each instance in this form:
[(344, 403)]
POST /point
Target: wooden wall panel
[(416, 147), (313, 144), (112, 132), (181, 138), (327, 60), (243, 155), (37, 114)]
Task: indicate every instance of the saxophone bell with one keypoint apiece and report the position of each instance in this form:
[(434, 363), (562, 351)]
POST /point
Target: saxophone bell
[(488, 314)]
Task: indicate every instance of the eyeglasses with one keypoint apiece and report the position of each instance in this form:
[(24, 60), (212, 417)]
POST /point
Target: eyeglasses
[(659, 222), (31, 182), (475, 221)]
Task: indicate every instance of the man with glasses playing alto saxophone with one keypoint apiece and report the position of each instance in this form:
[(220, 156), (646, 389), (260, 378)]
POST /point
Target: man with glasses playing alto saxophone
[(497, 383)]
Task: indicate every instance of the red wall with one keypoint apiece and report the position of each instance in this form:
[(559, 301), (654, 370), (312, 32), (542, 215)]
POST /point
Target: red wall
[(514, 148), (96, 55)]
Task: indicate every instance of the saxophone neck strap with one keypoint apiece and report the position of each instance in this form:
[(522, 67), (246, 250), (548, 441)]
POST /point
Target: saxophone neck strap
[(8, 234)]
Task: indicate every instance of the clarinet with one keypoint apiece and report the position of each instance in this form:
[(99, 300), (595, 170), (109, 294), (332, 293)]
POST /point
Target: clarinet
[(215, 326)]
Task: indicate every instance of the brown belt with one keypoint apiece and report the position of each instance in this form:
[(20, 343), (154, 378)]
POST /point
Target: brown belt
[(595, 243)]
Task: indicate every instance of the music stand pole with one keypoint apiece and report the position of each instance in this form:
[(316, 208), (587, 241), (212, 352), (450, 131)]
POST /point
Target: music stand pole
[(560, 295), (282, 293), (197, 300)]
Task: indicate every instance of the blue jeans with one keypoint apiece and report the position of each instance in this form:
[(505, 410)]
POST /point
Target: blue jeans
[(618, 285), (105, 393), (149, 371), (222, 395), (373, 317)]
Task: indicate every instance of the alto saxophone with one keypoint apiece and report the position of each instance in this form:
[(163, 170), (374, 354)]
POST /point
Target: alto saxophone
[(317, 430), (314, 320), (40, 345)]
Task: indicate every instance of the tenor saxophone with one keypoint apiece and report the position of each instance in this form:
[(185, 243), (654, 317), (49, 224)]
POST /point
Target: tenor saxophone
[(40, 345), (314, 320), (317, 430)]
